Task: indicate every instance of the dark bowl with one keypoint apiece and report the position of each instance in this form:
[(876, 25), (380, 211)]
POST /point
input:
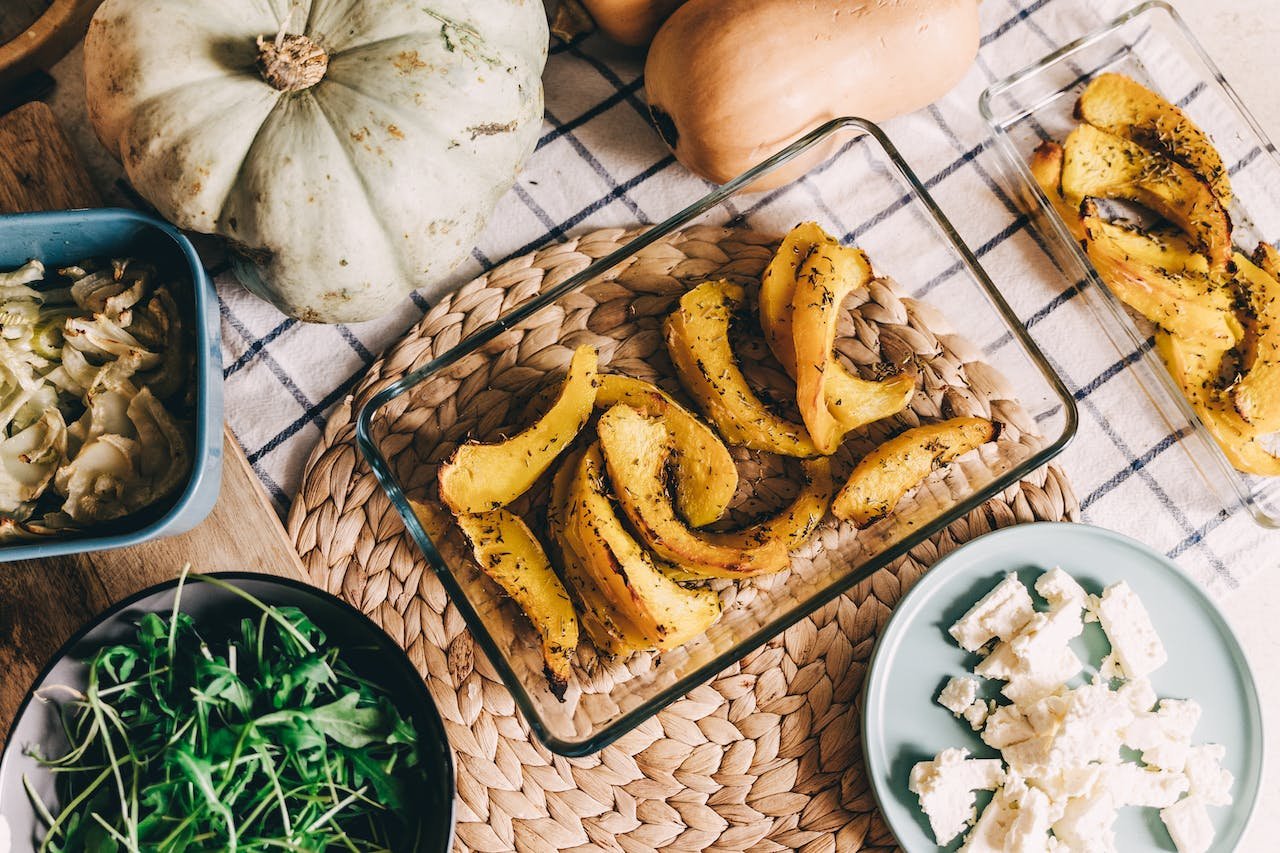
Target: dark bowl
[(369, 652)]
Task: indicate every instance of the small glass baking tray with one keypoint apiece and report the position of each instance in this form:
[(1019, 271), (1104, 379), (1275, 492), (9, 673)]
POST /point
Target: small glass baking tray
[(1153, 45), (861, 190)]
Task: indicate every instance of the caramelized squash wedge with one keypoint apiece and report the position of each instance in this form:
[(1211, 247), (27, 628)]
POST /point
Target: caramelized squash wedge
[(832, 401), (1256, 396), (1121, 105), (481, 477), (636, 448), (795, 524), (706, 476), (1161, 277), (609, 631), (1197, 367), (778, 286), (1046, 168), (667, 614), (507, 551), (806, 253), (697, 335), (882, 477), (1098, 164)]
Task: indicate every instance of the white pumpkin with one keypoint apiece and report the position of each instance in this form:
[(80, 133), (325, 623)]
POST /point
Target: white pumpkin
[(350, 150)]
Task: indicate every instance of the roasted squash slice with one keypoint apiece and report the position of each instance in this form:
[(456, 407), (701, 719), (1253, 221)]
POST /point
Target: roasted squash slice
[(1197, 367), (1102, 165), (831, 401), (636, 448), (706, 476), (886, 474), (507, 551), (778, 286), (1046, 168), (481, 477), (796, 523), (1256, 395), (697, 335), (1121, 105), (851, 401), (666, 613), (1162, 278), (609, 631)]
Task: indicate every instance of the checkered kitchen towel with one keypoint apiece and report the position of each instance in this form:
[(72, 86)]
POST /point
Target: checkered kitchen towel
[(598, 164)]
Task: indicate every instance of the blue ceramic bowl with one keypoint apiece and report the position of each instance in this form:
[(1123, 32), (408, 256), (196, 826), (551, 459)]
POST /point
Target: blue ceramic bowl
[(66, 237)]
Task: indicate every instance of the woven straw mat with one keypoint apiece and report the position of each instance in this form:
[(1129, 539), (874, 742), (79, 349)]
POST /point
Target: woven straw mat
[(765, 757)]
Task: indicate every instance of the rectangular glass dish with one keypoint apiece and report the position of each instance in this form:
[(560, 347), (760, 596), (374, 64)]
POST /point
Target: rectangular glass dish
[(861, 191), (1154, 46)]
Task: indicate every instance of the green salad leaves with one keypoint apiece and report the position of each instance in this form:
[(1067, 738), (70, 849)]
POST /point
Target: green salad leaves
[(260, 738)]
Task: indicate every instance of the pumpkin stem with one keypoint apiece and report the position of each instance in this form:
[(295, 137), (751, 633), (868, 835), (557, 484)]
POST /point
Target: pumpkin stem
[(291, 63)]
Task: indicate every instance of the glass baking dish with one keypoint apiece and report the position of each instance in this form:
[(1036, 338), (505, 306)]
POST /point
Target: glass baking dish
[(860, 190), (1152, 44)]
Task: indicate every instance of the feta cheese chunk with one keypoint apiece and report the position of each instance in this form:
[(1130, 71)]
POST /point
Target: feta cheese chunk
[(976, 714), (1061, 590), (946, 788), (1086, 824), (1000, 613), (1189, 825), (958, 694), (1046, 633), (1206, 778), (988, 834), (1039, 676), (1139, 694), (1006, 726), (1128, 627), (1131, 785), (1090, 728), (1164, 736), (999, 665), (1029, 832)]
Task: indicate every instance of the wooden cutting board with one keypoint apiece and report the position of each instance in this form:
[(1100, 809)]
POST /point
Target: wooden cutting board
[(43, 602)]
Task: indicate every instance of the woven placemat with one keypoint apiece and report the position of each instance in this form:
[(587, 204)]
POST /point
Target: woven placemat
[(766, 757)]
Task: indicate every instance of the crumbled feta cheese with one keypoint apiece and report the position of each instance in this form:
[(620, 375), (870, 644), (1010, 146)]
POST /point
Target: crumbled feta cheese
[(958, 695), (976, 714), (1090, 728), (1060, 590), (988, 834), (946, 788), (1045, 634), (1064, 783), (1061, 776), (1086, 824), (1128, 627), (1038, 677), (1006, 726), (1164, 735), (1132, 785), (1000, 613), (999, 665), (1139, 694), (1029, 832), (1189, 825), (1206, 777)]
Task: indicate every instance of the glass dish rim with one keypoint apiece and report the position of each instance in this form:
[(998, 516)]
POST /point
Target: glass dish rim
[(626, 722), (1233, 480)]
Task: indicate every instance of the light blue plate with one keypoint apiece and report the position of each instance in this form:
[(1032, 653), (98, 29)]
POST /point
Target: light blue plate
[(902, 723)]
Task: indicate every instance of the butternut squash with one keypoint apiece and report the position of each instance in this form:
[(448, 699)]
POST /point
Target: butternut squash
[(731, 82), (630, 22)]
